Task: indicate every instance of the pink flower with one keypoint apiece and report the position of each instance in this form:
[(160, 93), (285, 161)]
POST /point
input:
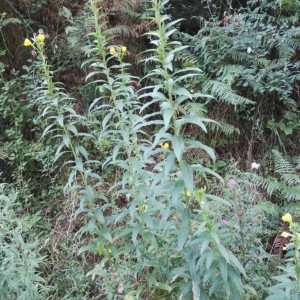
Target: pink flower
[(224, 222), (231, 182)]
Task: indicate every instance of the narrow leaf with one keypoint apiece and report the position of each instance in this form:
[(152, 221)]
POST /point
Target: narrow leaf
[(187, 175), (178, 146)]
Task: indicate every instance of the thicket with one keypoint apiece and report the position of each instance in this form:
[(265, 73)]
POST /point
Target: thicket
[(145, 156)]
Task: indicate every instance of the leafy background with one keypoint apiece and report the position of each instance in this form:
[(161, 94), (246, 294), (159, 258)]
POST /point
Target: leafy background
[(149, 149)]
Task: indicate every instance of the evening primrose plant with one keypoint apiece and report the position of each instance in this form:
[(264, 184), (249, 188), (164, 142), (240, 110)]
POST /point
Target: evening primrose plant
[(37, 43), (157, 244)]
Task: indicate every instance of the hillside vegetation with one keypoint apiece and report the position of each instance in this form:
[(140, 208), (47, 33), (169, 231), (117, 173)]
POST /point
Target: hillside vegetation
[(149, 149)]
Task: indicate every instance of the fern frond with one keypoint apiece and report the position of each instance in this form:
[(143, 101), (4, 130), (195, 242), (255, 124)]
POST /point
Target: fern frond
[(186, 58), (224, 93), (121, 30), (291, 179), (195, 109), (276, 64), (202, 46), (292, 193), (268, 207), (282, 166), (224, 127), (268, 184), (130, 12), (290, 19), (284, 50), (244, 57), (261, 18), (293, 43), (228, 69)]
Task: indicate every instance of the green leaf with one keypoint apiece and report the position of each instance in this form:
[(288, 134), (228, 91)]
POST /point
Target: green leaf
[(236, 263), (184, 231), (47, 130), (217, 199), (66, 140), (164, 286), (209, 259), (151, 279), (195, 120), (106, 234), (82, 150), (60, 120), (78, 165), (135, 232), (72, 128), (204, 246), (199, 145), (172, 23), (177, 191), (169, 163), (202, 170), (169, 60), (178, 146), (167, 113), (187, 175), (220, 247), (59, 152), (223, 270), (182, 92), (182, 237)]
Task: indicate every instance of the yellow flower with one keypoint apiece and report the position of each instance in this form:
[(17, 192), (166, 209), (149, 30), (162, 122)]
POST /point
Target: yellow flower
[(40, 38), (188, 193), (123, 49), (112, 51), (165, 145), (142, 208), (27, 43), (287, 218), (285, 234)]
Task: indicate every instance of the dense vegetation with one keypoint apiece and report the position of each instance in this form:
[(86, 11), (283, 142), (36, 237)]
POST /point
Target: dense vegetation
[(149, 149)]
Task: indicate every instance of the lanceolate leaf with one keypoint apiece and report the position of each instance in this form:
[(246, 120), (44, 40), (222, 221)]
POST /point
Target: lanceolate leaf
[(184, 231), (178, 146), (199, 145), (167, 113), (187, 175)]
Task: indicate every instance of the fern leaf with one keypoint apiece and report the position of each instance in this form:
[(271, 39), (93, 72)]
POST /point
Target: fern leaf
[(224, 93), (282, 166), (291, 179), (122, 30), (268, 207), (269, 185), (195, 109), (224, 127), (292, 193)]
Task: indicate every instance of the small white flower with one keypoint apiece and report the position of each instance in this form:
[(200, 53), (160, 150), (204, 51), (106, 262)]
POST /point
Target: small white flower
[(249, 50), (120, 288), (255, 166)]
